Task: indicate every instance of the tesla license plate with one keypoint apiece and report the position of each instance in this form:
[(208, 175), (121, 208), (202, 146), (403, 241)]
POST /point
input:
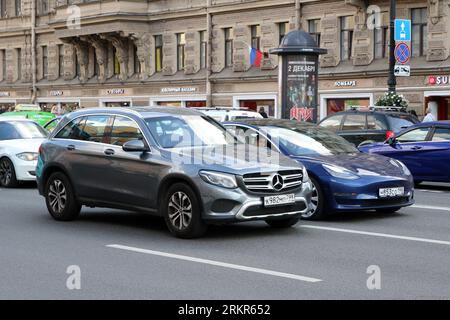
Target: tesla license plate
[(274, 201), (392, 192)]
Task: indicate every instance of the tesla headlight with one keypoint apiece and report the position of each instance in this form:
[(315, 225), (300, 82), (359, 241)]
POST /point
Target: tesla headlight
[(406, 171), (305, 175), (28, 156), (219, 179), (339, 172)]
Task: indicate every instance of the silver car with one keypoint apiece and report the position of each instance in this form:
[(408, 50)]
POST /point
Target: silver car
[(174, 163)]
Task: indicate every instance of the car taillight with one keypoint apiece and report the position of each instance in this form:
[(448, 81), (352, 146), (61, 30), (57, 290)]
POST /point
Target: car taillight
[(390, 134)]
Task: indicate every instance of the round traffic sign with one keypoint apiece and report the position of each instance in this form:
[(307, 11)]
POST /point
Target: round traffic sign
[(402, 52)]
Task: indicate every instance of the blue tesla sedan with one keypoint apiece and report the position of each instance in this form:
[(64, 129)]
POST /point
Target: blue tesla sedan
[(424, 148), (343, 178)]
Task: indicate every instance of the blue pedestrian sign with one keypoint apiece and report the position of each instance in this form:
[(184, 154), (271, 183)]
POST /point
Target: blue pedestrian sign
[(402, 30), (402, 53)]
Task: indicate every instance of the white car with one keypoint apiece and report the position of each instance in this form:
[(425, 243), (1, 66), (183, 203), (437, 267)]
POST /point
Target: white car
[(20, 140), (229, 114)]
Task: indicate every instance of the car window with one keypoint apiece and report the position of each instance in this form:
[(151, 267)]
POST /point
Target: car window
[(21, 130), (124, 130), (51, 125), (333, 123), (355, 122), (8, 132), (72, 130), (375, 123), (96, 129), (251, 137), (441, 134), (416, 135), (401, 122)]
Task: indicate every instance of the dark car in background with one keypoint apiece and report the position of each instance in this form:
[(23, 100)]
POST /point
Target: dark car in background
[(343, 179), (423, 148), (368, 125)]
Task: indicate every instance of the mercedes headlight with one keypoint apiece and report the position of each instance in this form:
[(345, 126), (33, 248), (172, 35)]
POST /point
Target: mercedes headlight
[(219, 179), (339, 172), (305, 175), (28, 156)]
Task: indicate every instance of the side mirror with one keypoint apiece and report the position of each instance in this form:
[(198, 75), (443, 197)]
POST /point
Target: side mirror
[(391, 141), (135, 146)]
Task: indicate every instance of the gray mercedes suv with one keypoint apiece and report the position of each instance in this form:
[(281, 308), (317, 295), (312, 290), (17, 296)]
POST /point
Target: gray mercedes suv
[(174, 163)]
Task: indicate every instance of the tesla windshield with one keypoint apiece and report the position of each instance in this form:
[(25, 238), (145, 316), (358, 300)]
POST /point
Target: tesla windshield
[(13, 130), (188, 131), (309, 141)]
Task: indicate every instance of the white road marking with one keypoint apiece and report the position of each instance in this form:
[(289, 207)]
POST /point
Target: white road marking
[(421, 206), (216, 263), (381, 235), (431, 191)]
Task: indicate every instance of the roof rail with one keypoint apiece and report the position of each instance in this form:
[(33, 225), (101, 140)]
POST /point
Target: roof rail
[(376, 108)]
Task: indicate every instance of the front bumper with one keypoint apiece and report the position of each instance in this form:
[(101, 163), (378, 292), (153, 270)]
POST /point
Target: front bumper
[(222, 205), (363, 194), (25, 170)]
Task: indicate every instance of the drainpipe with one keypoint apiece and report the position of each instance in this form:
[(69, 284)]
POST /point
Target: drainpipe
[(208, 54), (298, 15), (33, 50)]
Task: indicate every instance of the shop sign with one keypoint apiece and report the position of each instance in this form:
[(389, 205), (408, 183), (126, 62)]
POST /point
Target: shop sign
[(345, 83), (4, 94), (56, 93), (179, 90), (115, 91), (439, 80)]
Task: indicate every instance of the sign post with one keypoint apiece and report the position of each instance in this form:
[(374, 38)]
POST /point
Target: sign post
[(298, 76), (402, 50)]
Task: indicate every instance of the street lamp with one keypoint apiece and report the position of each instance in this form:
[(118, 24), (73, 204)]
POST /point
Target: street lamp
[(392, 81)]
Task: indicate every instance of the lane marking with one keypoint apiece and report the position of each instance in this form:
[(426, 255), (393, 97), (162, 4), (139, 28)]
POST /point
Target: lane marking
[(421, 206), (431, 191), (380, 235), (216, 263)]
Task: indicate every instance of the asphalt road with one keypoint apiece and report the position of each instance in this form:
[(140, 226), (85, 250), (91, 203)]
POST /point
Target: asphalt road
[(125, 255)]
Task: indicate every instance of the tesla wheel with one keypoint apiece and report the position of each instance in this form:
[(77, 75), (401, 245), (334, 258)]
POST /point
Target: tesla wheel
[(182, 212), (60, 198), (283, 223), (389, 210), (8, 174), (317, 202)]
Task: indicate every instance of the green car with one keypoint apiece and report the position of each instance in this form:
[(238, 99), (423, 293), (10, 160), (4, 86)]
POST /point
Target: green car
[(30, 111)]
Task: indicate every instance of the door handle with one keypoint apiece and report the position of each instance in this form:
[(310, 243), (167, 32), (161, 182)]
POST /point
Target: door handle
[(416, 148), (109, 152), (71, 147)]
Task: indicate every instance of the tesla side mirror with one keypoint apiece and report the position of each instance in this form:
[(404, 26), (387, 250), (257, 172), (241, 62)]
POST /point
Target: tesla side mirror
[(391, 141), (135, 146)]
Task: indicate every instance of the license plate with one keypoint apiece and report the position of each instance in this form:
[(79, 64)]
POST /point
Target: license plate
[(392, 192), (274, 201)]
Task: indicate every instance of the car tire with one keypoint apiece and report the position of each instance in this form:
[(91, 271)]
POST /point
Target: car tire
[(182, 212), (8, 177), (317, 201), (389, 210), (283, 223), (60, 198)]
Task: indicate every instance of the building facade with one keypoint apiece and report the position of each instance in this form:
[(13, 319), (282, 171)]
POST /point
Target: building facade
[(194, 53)]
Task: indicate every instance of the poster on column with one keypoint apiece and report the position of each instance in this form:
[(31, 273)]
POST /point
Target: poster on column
[(300, 88)]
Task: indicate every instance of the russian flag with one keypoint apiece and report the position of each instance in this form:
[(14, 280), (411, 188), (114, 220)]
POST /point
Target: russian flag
[(256, 57)]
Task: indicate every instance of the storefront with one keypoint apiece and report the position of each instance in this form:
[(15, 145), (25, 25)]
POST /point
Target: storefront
[(257, 102), (438, 100), (181, 97), (333, 103)]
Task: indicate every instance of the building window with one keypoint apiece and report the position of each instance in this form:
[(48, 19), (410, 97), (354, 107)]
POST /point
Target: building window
[(346, 41), (380, 42), (283, 29), (45, 62), (256, 36), (229, 36), (61, 60), (137, 63), (116, 62), (43, 7), (3, 13), (419, 32), (203, 49), (19, 63), (96, 65), (181, 44), (18, 8), (158, 53), (3, 56), (314, 29)]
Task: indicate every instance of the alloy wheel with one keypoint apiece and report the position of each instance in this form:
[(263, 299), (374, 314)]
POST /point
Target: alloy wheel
[(57, 196), (180, 210), (314, 202), (5, 172)]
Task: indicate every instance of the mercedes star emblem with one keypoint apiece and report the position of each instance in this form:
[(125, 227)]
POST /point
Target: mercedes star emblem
[(277, 182)]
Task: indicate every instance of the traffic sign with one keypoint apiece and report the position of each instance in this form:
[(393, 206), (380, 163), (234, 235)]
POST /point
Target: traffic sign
[(402, 30), (402, 52), (402, 71)]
